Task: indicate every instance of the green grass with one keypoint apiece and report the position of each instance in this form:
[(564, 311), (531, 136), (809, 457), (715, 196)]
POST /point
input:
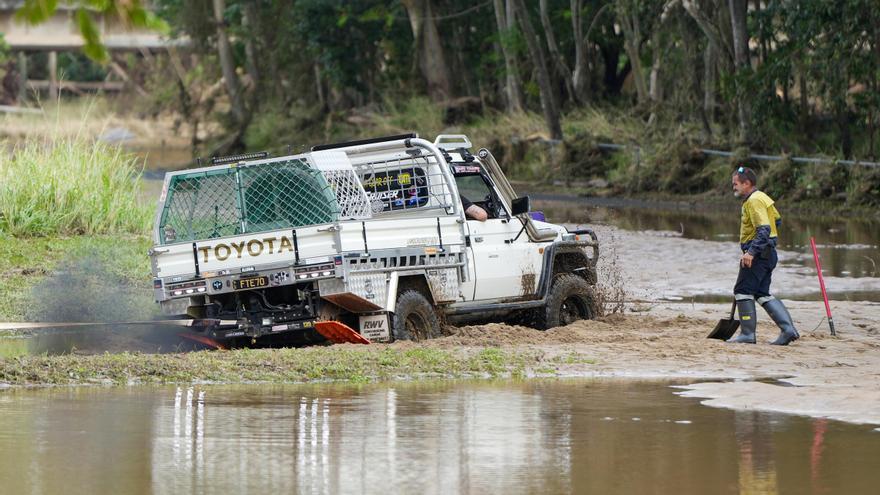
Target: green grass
[(69, 186), (13, 347), (26, 262), (573, 358), (23, 264), (350, 364)]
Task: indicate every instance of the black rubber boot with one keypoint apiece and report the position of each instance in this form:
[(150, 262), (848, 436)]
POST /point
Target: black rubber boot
[(782, 318), (748, 322)]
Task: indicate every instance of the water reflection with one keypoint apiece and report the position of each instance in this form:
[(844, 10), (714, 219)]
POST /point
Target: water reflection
[(757, 470), (454, 441), (573, 436)]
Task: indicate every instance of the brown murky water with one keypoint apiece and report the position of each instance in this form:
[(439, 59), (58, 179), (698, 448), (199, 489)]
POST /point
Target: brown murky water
[(848, 246), (555, 436)]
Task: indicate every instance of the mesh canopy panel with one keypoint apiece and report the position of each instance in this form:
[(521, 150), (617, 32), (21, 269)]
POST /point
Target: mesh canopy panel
[(353, 202), (337, 170), (286, 195), (233, 201)]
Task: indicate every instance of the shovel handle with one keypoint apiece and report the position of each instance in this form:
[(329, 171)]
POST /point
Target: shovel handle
[(733, 309), (822, 284)]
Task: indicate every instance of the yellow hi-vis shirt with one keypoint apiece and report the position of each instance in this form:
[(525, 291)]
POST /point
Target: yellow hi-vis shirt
[(757, 210)]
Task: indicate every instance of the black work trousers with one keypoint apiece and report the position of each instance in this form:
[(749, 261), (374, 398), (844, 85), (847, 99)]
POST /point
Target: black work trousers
[(755, 280)]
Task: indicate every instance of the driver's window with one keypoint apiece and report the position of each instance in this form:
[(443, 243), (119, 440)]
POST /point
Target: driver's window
[(474, 188)]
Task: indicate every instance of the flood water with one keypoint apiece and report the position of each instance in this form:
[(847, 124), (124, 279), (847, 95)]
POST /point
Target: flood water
[(553, 436), (848, 246)]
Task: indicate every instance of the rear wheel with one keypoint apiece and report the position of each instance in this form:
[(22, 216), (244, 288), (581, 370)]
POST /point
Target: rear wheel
[(570, 299), (415, 318)]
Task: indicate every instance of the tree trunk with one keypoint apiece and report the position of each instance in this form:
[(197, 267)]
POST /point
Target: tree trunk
[(846, 141), (548, 102), (558, 59), (248, 14), (227, 65), (429, 50), (872, 113), (741, 59), (52, 67), (693, 62), (319, 86), (581, 73), (512, 90), (614, 75), (709, 82), (22, 77), (460, 66), (719, 54), (628, 18), (654, 89), (514, 74), (713, 31), (803, 99)]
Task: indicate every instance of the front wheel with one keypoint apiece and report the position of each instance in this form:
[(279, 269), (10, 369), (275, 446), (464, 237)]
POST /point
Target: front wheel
[(570, 299), (415, 318)]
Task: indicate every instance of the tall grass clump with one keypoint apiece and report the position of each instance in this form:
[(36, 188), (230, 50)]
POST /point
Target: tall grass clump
[(69, 186)]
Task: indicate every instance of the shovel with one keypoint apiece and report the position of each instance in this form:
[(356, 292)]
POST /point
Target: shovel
[(726, 327)]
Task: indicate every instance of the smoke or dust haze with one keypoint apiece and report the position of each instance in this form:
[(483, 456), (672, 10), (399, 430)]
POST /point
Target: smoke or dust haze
[(84, 290)]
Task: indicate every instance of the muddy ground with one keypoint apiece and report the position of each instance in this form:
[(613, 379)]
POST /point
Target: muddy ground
[(819, 375)]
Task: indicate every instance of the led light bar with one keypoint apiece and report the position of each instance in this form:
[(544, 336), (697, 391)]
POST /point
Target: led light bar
[(220, 160)]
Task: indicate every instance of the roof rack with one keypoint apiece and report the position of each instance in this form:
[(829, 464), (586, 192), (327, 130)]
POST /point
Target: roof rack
[(396, 137), (452, 142)]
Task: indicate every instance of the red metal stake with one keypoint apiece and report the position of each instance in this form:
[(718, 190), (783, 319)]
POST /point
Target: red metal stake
[(822, 285)]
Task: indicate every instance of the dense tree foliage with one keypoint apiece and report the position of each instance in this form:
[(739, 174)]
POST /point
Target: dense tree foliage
[(760, 73)]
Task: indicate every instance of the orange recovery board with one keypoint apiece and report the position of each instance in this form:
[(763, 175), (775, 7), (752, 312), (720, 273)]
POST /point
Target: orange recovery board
[(208, 341), (339, 333)]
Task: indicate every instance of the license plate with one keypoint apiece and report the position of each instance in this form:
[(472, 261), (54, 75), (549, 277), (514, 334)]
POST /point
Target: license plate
[(250, 283)]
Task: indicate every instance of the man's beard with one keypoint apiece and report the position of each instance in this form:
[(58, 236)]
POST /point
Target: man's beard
[(736, 194)]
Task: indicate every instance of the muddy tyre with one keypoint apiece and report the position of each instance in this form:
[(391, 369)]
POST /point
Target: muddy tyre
[(570, 299), (415, 318)]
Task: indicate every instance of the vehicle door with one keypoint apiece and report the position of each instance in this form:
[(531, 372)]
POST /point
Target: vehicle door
[(505, 268)]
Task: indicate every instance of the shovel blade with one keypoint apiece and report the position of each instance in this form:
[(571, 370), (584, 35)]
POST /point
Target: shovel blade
[(724, 329)]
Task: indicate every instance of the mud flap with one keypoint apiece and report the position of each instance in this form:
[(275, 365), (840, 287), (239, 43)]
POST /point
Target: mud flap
[(339, 333)]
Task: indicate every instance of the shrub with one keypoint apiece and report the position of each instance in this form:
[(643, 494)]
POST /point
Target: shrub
[(69, 186)]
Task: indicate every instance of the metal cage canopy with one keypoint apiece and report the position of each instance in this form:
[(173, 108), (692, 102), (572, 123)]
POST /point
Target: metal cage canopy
[(212, 203)]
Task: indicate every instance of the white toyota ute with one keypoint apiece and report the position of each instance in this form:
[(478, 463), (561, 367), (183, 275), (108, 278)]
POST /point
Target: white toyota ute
[(363, 241)]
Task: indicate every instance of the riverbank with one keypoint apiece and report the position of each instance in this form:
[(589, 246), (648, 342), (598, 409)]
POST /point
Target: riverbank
[(100, 119)]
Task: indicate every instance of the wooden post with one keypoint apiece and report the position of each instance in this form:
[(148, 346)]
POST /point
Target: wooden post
[(53, 74), (22, 77)]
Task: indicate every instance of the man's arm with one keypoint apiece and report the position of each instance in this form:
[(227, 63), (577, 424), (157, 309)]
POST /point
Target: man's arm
[(473, 211), (762, 238)]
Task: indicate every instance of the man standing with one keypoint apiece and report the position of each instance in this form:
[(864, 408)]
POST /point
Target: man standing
[(757, 238)]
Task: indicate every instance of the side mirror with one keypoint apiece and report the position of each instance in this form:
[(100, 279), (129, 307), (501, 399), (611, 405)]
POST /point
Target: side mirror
[(520, 206)]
